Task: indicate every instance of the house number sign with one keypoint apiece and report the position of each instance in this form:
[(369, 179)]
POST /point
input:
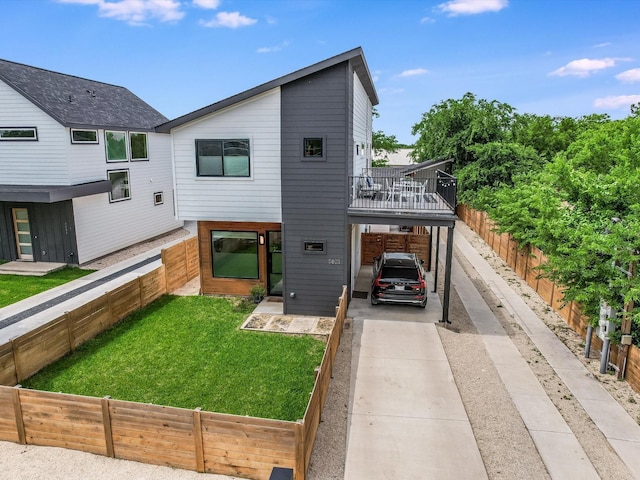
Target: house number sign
[(335, 261)]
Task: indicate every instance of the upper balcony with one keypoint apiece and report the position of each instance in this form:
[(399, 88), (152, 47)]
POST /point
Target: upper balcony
[(421, 197)]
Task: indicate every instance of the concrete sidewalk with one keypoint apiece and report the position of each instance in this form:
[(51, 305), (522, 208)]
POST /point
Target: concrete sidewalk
[(406, 419), (620, 430)]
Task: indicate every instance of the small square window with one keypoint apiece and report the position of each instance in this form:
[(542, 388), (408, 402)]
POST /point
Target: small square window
[(120, 189), (313, 148), (158, 198), (314, 246), (116, 145), (84, 136)]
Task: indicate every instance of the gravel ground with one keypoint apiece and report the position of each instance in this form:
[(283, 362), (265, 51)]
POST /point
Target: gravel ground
[(505, 445)]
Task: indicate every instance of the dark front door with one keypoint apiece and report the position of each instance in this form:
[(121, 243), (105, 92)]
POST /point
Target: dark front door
[(274, 263)]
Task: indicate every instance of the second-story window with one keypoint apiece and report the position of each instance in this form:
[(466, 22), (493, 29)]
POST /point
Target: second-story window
[(18, 133), (223, 158), (84, 136), (138, 144), (116, 145)]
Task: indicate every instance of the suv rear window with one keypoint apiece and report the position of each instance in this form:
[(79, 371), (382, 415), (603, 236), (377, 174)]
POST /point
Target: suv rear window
[(400, 272)]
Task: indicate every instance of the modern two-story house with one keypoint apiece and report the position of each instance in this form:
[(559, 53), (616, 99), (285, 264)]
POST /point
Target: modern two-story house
[(266, 174), (82, 171)]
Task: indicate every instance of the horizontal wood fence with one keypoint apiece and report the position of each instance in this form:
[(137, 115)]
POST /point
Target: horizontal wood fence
[(526, 262), (189, 439), (373, 244)]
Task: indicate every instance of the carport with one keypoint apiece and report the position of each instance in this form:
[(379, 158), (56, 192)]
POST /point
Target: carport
[(409, 196)]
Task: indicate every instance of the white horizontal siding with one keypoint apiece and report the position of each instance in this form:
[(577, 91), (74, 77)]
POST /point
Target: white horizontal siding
[(86, 161), (103, 227), (41, 162), (256, 198), (362, 125)]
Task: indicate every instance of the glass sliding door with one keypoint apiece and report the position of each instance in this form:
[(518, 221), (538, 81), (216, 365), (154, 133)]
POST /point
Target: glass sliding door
[(22, 231), (274, 263)]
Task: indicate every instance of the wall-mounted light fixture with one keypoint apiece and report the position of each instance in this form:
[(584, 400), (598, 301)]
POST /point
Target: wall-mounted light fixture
[(261, 239)]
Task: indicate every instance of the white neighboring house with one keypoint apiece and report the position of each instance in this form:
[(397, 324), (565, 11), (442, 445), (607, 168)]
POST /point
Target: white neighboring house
[(82, 171), (401, 157)]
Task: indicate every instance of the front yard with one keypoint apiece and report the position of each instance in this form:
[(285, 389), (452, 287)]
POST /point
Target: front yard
[(14, 288), (190, 352)]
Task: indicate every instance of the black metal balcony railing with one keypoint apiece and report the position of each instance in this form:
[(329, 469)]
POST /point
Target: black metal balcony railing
[(404, 193)]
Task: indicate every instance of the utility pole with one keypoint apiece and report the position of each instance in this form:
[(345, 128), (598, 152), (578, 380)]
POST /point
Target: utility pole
[(625, 327)]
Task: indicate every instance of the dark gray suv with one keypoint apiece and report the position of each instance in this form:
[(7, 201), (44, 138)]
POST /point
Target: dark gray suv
[(399, 278)]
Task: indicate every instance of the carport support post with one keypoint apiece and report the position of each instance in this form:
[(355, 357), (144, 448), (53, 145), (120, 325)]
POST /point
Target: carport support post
[(447, 275), (435, 267)]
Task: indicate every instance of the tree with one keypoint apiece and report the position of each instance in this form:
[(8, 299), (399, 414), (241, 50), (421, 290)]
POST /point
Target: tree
[(452, 127), (382, 145)]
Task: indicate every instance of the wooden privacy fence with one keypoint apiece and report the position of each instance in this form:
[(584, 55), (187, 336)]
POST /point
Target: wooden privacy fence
[(526, 262), (373, 244), (189, 439)]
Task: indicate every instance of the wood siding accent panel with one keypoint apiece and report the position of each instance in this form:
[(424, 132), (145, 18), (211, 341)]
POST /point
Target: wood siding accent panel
[(314, 193), (210, 285), (252, 199)]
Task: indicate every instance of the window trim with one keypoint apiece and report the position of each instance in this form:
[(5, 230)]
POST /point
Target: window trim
[(126, 146), (158, 198), (109, 172), (212, 247), (146, 145), (236, 139), (84, 142), (314, 158), (305, 251), (19, 139)]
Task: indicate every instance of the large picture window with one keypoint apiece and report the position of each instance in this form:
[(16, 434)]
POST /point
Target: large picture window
[(234, 254), (120, 189), (222, 158), (18, 133), (138, 142), (116, 145)]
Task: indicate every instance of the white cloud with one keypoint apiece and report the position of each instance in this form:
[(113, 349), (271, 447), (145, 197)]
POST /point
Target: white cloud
[(472, 7), (427, 20), (621, 101), (600, 45), (277, 48), (630, 76), (206, 4), (586, 66), (136, 12), (413, 72), (229, 20)]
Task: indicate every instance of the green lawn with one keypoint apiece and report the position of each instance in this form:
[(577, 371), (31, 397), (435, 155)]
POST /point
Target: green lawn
[(189, 352), (14, 288)]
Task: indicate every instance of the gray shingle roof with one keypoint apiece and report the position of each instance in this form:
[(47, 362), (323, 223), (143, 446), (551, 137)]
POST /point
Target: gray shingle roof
[(355, 56), (79, 102)]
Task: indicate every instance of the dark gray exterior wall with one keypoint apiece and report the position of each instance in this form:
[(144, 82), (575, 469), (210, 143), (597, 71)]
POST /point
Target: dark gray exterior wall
[(314, 192), (53, 231)]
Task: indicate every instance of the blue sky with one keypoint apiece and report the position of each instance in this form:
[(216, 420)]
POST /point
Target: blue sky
[(556, 57)]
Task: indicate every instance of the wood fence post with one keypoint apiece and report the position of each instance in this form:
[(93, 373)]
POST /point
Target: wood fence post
[(106, 423), (197, 437), (300, 470), (17, 409)]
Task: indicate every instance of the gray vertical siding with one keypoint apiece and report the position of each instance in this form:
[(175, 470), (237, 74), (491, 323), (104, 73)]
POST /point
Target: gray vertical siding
[(52, 231), (314, 193)]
